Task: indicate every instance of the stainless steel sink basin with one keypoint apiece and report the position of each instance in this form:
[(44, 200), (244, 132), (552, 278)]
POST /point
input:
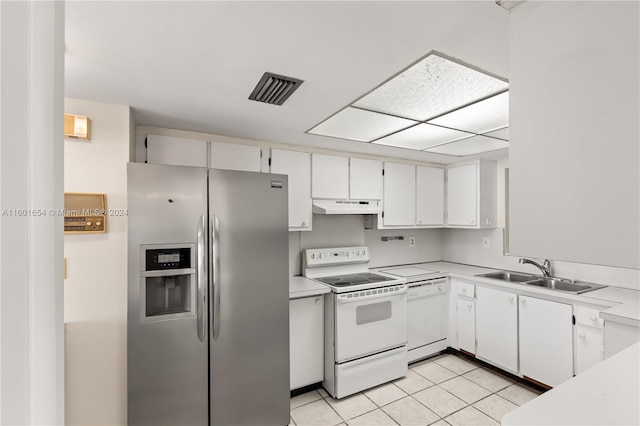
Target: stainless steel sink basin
[(564, 285), (509, 276), (546, 282)]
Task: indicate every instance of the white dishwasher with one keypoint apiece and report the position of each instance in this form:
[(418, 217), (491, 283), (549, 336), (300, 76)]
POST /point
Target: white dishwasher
[(427, 309)]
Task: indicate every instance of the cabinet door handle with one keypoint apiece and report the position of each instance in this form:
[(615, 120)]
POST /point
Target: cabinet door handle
[(523, 300), (464, 289), (317, 301), (470, 306), (581, 335), (593, 318), (510, 298)]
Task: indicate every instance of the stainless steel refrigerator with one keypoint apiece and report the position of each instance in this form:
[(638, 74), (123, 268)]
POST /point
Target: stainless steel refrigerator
[(208, 305)]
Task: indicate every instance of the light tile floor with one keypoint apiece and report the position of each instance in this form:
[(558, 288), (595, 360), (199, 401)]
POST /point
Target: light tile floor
[(443, 390)]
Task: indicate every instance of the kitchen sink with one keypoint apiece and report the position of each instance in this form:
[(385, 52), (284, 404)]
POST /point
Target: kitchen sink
[(564, 285), (510, 276), (559, 284)]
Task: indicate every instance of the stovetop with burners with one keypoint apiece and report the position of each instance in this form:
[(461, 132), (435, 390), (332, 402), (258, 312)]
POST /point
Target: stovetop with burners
[(354, 279), (344, 269)]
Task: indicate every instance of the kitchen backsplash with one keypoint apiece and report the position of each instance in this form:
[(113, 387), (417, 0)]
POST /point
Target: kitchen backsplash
[(465, 246), (451, 245), (348, 230)]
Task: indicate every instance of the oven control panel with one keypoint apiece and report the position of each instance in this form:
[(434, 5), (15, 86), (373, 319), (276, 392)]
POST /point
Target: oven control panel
[(336, 256)]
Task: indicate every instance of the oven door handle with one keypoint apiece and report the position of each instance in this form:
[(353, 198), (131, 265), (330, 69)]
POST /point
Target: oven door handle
[(366, 295)]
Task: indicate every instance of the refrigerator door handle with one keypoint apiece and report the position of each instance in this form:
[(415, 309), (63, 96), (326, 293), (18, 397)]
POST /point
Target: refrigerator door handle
[(214, 260), (201, 278)]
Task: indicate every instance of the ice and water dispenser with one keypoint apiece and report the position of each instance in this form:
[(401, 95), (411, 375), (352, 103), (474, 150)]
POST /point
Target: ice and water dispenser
[(168, 279)]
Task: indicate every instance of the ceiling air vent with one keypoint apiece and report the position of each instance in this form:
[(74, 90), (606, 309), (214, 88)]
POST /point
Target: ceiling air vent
[(274, 89)]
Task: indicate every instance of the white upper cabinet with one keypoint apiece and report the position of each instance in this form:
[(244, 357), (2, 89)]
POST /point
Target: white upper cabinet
[(472, 195), (176, 151), (235, 157), (429, 196), (365, 179), (461, 191), (330, 177), (297, 165), (413, 196), (399, 194)]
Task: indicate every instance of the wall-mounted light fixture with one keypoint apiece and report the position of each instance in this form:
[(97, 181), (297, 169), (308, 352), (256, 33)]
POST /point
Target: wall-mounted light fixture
[(77, 126)]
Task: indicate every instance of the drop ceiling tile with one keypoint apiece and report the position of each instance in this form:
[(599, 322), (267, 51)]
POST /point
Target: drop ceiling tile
[(500, 134), (469, 146), (481, 117), (421, 137), (431, 87), (359, 125)]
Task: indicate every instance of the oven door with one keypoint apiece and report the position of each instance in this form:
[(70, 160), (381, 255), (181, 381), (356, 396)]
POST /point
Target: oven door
[(370, 321)]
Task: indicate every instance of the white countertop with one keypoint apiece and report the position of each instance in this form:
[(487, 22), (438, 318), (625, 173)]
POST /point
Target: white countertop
[(606, 394), (627, 311), (305, 287), (616, 304)]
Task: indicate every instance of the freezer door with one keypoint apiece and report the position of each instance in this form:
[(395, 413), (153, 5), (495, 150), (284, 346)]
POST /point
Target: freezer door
[(249, 303), (167, 359)]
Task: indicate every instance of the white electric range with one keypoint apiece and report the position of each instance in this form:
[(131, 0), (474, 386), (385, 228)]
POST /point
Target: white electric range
[(365, 320)]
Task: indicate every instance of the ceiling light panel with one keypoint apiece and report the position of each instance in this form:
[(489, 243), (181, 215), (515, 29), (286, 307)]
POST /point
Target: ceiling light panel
[(500, 134), (359, 125), (433, 86), (422, 136), (469, 146), (481, 117)]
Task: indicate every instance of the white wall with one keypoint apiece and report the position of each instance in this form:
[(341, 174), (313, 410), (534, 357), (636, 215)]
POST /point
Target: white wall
[(465, 246), (31, 182), (96, 284), (574, 148)]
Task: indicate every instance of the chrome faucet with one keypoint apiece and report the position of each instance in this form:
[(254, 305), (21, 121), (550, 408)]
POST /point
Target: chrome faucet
[(545, 267)]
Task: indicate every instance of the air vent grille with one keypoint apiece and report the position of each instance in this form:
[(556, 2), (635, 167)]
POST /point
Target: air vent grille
[(274, 89)]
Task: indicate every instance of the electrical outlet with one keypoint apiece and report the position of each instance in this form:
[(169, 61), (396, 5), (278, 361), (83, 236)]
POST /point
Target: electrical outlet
[(486, 242), (412, 241)]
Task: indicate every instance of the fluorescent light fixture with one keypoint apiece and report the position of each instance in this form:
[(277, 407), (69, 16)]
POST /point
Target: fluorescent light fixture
[(500, 133), (421, 137), (481, 117), (431, 87), (432, 103), (359, 125), (469, 146)]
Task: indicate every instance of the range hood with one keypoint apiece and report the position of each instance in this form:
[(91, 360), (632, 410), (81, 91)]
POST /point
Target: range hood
[(345, 207)]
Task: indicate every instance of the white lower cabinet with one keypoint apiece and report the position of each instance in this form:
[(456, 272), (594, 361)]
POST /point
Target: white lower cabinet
[(589, 348), (306, 341), (497, 328), (466, 313), (589, 338), (618, 336), (546, 340)]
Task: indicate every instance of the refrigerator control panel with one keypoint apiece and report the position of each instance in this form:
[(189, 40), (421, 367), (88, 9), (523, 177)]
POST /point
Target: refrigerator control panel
[(167, 258)]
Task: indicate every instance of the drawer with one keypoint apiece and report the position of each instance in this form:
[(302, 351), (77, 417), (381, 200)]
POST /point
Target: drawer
[(466, 289), (589, 316)]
